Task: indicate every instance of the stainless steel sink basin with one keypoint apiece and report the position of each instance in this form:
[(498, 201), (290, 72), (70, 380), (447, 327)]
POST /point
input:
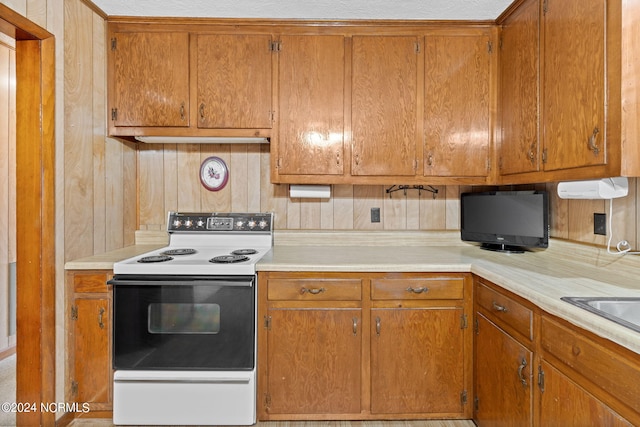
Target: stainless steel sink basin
[(624, 311)]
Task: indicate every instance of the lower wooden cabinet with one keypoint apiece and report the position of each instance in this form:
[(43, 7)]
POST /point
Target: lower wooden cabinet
[(566, 404), (503, 359), (534, 369), (89, 368), (363, 346)]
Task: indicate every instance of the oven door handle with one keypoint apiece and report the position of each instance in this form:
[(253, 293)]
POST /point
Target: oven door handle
[(175, 380), (236, 281)]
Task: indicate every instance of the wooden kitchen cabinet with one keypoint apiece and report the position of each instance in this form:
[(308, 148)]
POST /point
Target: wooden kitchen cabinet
[(565, 404), (587, 108), (362, 346), (311, 113), (89, 367), (149, 85), (189, 81), (504, 359), (234, 81), (384, 105), (457, 125), (586, 380), (519, 143), (313, 345), (419, 337)]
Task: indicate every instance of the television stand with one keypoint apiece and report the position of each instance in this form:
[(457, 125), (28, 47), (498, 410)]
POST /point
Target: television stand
[(498, 247)]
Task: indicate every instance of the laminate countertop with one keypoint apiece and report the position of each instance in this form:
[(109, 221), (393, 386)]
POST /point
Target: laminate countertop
[(542, 277)]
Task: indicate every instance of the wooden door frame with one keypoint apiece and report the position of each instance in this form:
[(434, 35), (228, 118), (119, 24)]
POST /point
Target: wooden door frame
[(35, 214)]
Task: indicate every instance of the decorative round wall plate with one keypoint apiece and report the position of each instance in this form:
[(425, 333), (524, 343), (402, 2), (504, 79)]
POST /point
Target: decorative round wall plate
[(214, 173)]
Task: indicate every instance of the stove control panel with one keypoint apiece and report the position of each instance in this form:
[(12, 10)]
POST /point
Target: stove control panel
[(220, 222)]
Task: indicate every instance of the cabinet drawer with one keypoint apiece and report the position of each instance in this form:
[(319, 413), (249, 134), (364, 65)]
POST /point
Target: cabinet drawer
[(90, 282), (609, 370), (505, 310), (315, 289), (417, 288)]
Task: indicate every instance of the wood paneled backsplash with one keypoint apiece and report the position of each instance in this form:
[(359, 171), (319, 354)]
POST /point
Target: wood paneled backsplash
[(168, 180)]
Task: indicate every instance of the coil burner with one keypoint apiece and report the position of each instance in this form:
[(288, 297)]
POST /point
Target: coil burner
[(229, 259), (178, 252), (155, 258)]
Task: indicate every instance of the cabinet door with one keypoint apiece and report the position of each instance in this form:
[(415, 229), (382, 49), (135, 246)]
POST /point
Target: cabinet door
[(519, 150), (92, 351), (566, 404), (314, 361), (503, 378), (151, 79), (456, 118), (574, 83), (233, 81), (417, 360), (311, 98), (384, 105)]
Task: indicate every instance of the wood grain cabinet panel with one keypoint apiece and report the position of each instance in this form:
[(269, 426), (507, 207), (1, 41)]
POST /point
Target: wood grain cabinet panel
[(503, 378), (150, 79), (384, 105), (564, 403), (311, 113), (519, 144), (575, 97), (89, 364), (417, 359), (457, 128), (233, 81), (314, 361)]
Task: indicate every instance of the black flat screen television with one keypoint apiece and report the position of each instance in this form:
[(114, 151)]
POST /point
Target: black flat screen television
[(508, 221)]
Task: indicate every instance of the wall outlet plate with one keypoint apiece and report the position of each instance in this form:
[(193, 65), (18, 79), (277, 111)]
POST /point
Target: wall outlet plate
[(375, 214), (600, 224)]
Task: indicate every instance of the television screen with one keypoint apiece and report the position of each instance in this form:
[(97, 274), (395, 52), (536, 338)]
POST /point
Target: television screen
[(505, 220)]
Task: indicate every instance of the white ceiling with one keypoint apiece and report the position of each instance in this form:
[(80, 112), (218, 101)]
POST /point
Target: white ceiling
[(310, 9)]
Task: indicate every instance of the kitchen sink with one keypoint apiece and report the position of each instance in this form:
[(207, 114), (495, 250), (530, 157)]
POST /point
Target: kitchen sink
[(623, 311)]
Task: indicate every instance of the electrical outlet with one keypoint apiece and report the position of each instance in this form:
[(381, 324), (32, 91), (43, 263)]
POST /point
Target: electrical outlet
[(600, 224), (375, 214)]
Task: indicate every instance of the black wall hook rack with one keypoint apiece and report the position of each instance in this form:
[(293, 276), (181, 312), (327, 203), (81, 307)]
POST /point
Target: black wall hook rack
[(420, 188)]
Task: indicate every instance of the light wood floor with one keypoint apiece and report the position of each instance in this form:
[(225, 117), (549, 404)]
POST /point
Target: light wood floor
[(436, 423)]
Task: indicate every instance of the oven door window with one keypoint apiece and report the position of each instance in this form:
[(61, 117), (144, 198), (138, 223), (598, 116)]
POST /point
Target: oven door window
[(185, 326), (181, 318)]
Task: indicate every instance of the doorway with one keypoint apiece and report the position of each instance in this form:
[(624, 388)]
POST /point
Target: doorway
[(35, 231)]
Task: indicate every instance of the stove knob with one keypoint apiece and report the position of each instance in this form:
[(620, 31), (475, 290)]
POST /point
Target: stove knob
[(263, 224), (177, 223), (200, 223), (239, 224), (252, 224), (188, 223)]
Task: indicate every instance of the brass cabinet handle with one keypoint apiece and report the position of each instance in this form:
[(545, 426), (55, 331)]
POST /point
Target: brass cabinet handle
[(100, 318), (523, 364), (202, 111), (592, 141), (430, 160), (312, 291), (420, 290), (532, 154), (182, 117), (378, 326), (355, 326), (498, 307)]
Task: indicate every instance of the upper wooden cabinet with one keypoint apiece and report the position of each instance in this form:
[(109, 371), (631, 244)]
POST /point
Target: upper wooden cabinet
[(457, 125), (149, 83), (233, 81), (519, 148), (384, 105), (185, 83), (586, 76), (311, 93)]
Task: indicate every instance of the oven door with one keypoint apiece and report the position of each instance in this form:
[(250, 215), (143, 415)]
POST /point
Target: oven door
[(183, 322)]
